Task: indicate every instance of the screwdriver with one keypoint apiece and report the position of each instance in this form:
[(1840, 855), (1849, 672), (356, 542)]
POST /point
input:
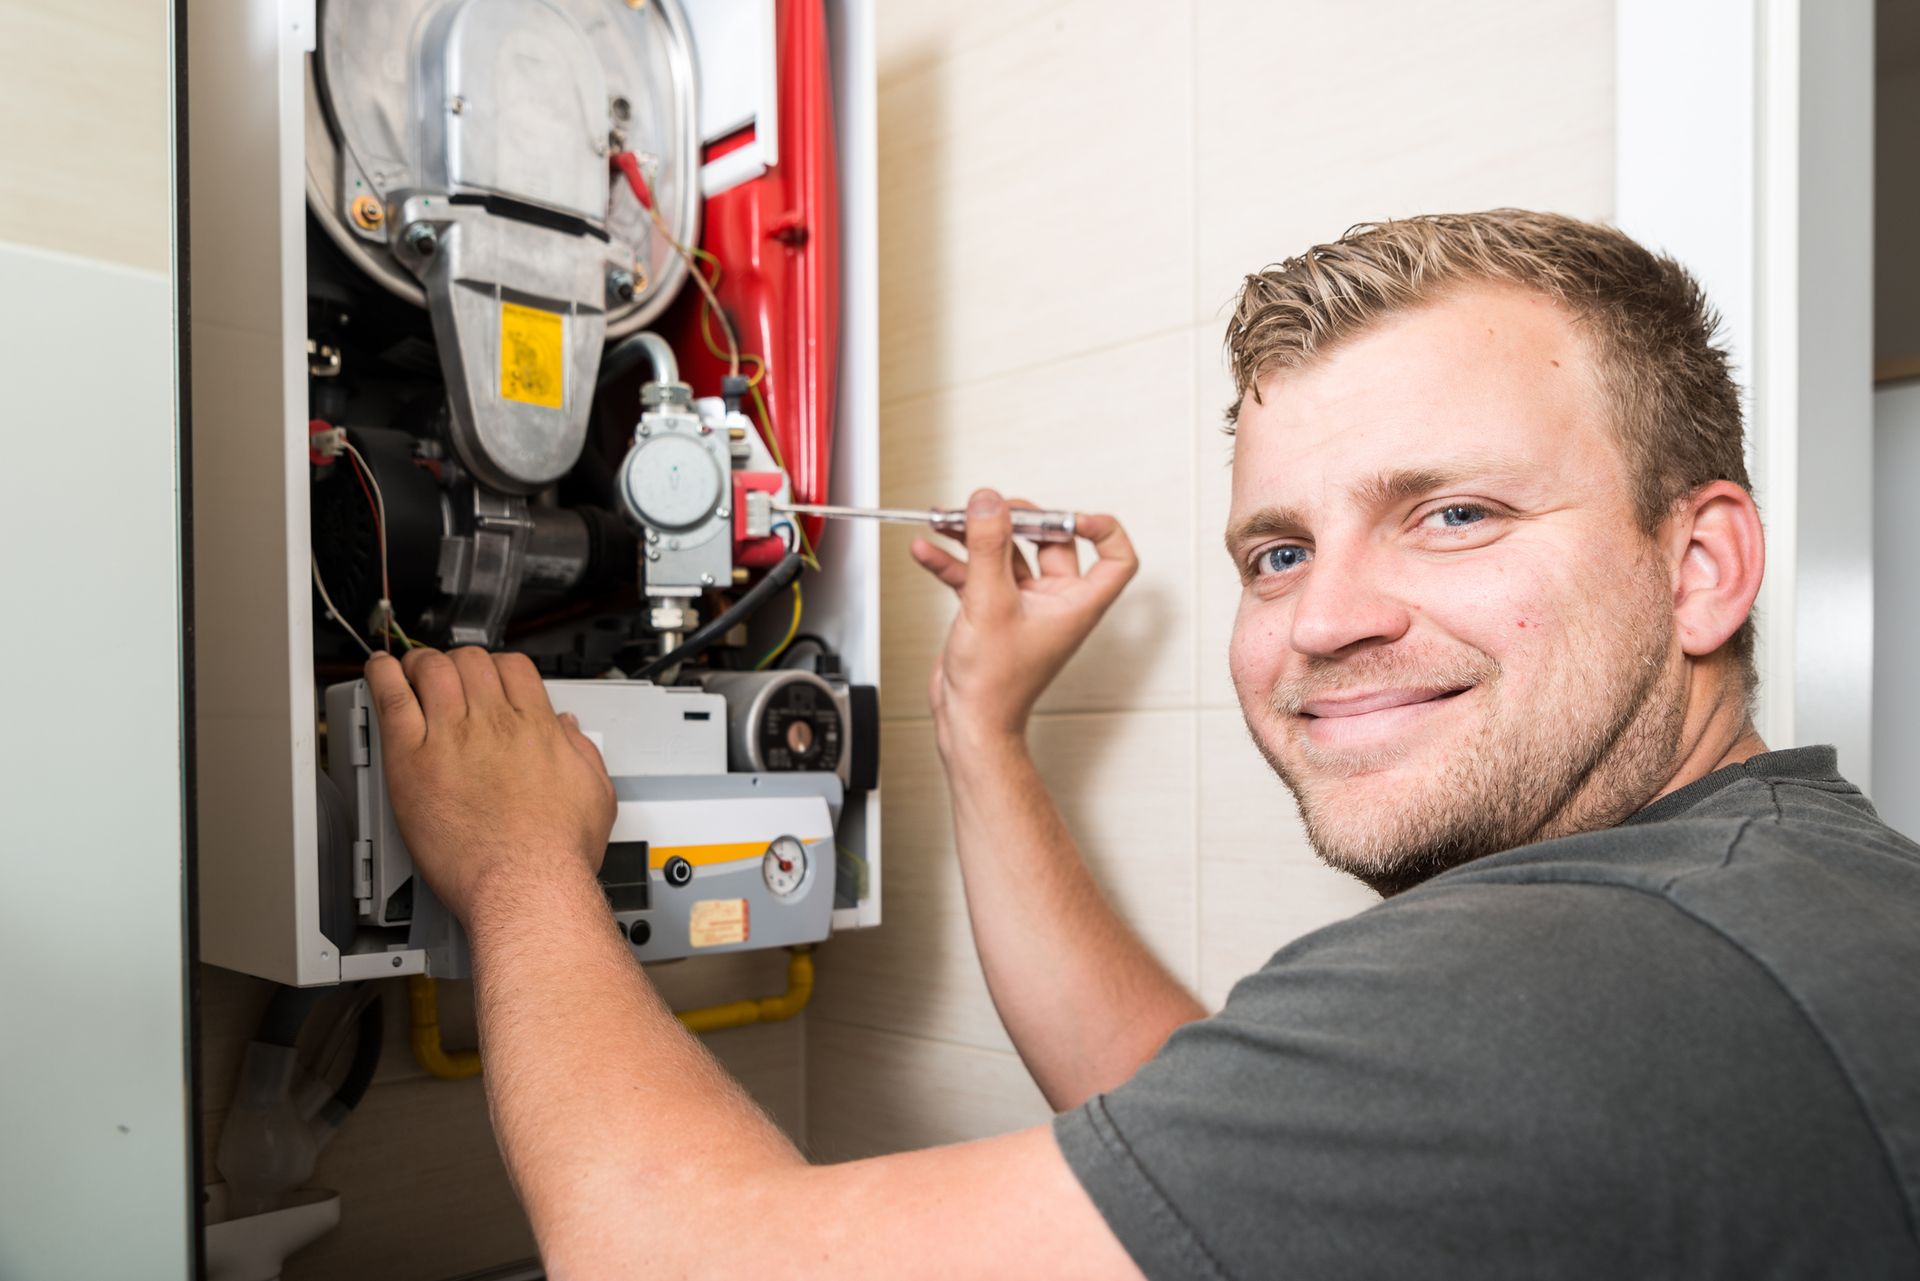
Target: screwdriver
[(1040, 526)]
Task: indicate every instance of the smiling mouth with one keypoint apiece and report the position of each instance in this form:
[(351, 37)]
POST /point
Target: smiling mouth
[(1381, 700)]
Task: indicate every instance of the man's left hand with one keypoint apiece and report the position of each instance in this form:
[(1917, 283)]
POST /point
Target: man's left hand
[(489, 787)]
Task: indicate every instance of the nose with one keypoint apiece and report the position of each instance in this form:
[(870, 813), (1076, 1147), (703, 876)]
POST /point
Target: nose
[(1345, 604)]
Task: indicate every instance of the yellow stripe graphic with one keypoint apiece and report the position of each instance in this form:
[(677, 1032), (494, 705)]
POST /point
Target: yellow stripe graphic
[(705, 855)]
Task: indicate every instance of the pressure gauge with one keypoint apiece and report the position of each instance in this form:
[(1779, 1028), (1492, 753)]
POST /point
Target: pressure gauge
[(785, 866)]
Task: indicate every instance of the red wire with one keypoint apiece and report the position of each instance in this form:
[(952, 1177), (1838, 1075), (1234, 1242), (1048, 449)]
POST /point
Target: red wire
[(629, 164)]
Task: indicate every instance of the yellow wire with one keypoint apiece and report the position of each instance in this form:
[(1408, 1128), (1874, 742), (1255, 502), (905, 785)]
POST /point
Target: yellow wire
[(693, 255), (406, 641), (793, 630), (807, 556)]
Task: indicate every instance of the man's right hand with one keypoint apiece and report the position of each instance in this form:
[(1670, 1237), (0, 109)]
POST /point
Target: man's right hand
[(1015, 629)]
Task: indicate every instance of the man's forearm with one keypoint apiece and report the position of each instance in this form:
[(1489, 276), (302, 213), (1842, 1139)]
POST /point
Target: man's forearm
[(1083, 999), (608, 1112)]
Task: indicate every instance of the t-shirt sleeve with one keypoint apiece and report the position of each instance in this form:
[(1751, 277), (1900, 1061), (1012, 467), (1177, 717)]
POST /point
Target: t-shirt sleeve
[(1470, 1081)]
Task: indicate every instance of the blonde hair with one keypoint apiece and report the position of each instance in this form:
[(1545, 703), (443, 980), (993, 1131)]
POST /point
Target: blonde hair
[(1647, 322)]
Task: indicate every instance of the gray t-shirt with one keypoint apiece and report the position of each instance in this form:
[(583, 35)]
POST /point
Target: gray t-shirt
[(1688, 1046)]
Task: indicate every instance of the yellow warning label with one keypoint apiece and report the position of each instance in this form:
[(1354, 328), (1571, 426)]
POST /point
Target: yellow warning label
[(533, 362), (716, 921)]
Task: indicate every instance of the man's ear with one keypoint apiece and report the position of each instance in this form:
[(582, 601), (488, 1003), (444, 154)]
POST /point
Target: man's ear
[(1720, 554)]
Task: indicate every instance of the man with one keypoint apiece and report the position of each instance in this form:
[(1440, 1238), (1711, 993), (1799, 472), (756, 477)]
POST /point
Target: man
[(1641, 1000)]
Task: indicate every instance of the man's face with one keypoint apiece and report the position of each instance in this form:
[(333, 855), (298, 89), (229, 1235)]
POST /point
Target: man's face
[(1454, 637)]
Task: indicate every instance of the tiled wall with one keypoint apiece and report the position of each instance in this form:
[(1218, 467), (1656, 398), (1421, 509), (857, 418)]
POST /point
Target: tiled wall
[(1069, 193), (85, 88)]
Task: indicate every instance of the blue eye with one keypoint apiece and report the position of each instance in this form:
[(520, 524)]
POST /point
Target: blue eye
[(1458, 515), (1277, 560)]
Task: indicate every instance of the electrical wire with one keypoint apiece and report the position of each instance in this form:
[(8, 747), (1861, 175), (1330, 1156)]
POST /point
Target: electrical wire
[(629, 166), (378, 501), (800, 642), (807, 555), (793, 630), (333, 611), (702, 638)]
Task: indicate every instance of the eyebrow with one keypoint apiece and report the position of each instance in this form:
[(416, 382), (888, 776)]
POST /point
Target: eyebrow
[(1383, 489)]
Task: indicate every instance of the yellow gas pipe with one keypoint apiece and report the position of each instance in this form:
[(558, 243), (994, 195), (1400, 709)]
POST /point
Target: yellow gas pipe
[(435, 1060)]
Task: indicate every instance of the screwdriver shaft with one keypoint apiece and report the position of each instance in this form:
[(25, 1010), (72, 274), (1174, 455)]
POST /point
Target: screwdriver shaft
[(1040, 526)]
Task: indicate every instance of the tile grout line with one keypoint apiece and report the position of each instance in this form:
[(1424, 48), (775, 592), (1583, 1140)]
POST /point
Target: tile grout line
[(949, 1042), (889, 403)]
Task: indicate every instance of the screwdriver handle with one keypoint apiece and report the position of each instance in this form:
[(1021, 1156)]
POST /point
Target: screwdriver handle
[(1038, 526)]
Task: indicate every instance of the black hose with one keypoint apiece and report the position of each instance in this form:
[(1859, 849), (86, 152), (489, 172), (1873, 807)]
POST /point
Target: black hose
[(287, 1013), (806, 638), (707, 633), (366, 1057)]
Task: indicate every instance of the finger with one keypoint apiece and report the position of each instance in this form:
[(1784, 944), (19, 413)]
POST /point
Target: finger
[(437, 682), (1117, 562), (1055, 560), (947, 568), (1048, 565), (479, 678), (990, 589), (403, 725), (521, 681)]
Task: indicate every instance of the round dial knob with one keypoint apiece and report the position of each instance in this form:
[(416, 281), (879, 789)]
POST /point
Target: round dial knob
[(785, 866), (673, 482)]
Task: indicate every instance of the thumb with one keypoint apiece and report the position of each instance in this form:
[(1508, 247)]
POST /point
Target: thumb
[(990, 588)]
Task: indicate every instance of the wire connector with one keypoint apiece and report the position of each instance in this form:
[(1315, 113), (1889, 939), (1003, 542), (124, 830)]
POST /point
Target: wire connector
[(325, 442), (380, 622), (759, 523)]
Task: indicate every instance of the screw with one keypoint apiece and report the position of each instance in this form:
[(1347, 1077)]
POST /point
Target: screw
[(723, 511), (673, 544), (396, 962), (620, 284), (653, 535), (706, 580), (653, 553), (368, 213), (456, 104), (422, 238), (645, 430)]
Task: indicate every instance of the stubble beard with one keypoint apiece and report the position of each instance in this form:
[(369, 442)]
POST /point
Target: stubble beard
[(1596, 747)]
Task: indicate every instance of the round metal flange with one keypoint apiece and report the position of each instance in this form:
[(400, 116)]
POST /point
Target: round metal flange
[(360, 134)]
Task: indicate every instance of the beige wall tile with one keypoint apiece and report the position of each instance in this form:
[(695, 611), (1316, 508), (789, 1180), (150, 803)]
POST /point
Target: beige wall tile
[(1107, 432), (87, 89), (1033, 189), (1216, 585), (1311, 116), (872, 1092), (423, 1192), (909, 32), (1125, 783), (1261, 885)]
